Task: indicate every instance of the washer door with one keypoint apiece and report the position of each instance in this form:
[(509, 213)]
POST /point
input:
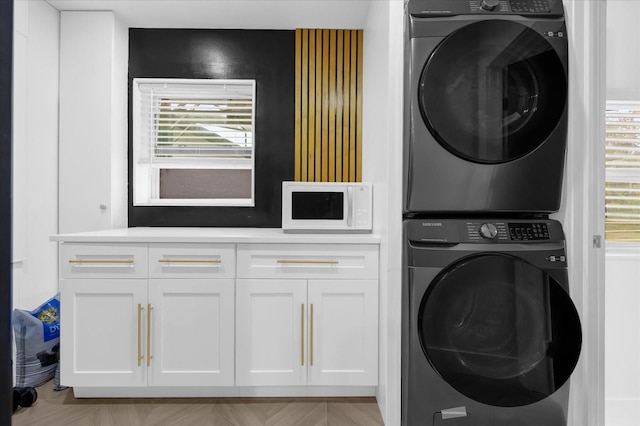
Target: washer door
[(499, 330), (492, 91)]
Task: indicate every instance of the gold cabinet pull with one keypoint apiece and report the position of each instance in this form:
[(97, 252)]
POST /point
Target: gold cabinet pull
[(101, 261), (149, 356), (170, 261), (307, 261), (140, 356), (302, 334), (311, 335)]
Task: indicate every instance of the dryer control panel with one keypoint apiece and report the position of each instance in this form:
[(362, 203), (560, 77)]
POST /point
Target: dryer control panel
[(454, 231), (508, 231), (432, 8), (528, 231)]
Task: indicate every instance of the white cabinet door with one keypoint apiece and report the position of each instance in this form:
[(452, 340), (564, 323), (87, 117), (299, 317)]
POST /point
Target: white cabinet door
[(343, 336), (191, 323), (102, 332), (270, 332)]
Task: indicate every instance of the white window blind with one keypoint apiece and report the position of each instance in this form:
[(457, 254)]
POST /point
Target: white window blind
[(192, 125), (622, 216)]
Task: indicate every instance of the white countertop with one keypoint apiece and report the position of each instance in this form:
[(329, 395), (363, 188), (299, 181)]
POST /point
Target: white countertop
[(213, 235)]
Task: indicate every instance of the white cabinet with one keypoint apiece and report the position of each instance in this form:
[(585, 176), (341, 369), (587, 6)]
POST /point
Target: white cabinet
[(170, 330), (297, 331), (185, 261), (343, 332), (271, 332), (308, 261), (102, 335), (96, 260), (218, 319), (191, 324)]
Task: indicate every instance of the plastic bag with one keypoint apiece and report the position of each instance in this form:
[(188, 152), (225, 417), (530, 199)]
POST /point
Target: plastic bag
[(37, 335)]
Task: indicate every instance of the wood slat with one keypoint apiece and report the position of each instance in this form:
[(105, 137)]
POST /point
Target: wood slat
[(325, 106), (328, 135), (339, 105), (298, 105), (346, 120), (317, 166), (359, 78), (304, 98), (332, 105)]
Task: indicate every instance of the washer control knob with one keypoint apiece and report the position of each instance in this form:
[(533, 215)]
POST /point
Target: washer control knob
[(488, 230), (489, 4)]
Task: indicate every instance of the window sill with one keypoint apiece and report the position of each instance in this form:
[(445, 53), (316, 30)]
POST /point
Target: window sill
[(619, 250), (198, 202)]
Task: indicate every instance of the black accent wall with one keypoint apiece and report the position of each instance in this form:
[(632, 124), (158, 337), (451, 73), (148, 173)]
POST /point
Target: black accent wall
[(6, 67), (264, 55)]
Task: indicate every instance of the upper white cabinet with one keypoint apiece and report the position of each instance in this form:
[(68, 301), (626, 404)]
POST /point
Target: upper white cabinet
[(92, 179)]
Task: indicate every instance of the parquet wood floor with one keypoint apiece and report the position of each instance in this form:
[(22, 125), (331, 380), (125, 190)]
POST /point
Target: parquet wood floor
[(63, 409)]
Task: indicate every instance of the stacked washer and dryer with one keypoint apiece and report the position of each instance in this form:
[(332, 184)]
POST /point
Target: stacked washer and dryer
[(490, 334)]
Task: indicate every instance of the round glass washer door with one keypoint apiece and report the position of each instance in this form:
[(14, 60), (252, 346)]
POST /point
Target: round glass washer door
[(499, 330), (492, 91)]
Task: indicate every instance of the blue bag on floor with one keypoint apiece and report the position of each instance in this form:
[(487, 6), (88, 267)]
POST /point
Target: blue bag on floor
[(37, 335)]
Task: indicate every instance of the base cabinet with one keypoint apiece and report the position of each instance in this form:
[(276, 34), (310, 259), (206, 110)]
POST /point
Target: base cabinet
[(191, 332), (306, 332), (162, 319), (147, 333), (343, 328), (102, 336)]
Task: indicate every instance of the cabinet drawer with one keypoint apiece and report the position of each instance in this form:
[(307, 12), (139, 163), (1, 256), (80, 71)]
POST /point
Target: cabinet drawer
[(103, 260), (307, 261), (192, 261)]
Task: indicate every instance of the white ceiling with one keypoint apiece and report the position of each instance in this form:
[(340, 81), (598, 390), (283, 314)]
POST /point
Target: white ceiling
[(242, 14)]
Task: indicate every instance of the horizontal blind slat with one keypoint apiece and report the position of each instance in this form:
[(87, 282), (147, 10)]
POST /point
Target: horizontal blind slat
[(622, 195), (198, 120)]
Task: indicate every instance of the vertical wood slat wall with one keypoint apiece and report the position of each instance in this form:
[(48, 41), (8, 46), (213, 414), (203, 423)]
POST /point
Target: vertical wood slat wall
[(328, 103)]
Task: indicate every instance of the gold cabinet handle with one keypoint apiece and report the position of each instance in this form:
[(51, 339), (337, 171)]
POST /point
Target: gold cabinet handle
[(140, 356), (311, 335), (101, 261), (302, 334), (170, 261), (307, 261), (149, 356)]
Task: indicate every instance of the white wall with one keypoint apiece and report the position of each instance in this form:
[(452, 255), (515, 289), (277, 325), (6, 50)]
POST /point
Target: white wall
[(382, 158), (582, 212), (623, 47), (35, 152), (622, 280), (93, 120), (622, 343)]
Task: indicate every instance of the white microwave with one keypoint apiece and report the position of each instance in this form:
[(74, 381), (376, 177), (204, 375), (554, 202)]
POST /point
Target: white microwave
[(326, 206)]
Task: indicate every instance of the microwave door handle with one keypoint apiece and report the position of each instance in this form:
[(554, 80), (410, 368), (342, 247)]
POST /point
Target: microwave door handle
[(349, 206)]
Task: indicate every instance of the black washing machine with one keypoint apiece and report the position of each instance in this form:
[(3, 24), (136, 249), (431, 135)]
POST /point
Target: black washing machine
[(490, 334), (486, 106)]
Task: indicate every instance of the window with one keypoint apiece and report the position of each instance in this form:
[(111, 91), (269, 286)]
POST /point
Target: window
[(193, 142), (622, 217)]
